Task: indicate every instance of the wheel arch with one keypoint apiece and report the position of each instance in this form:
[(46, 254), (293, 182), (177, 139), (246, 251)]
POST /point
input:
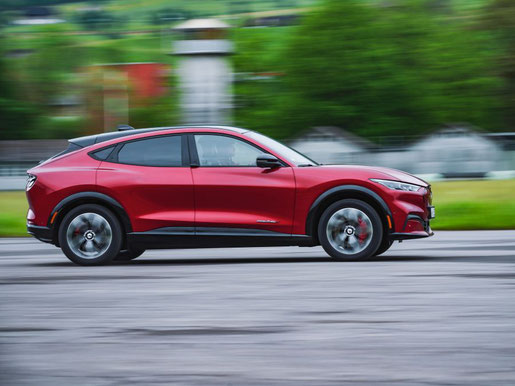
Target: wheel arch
[(74, 200), (342, 192)]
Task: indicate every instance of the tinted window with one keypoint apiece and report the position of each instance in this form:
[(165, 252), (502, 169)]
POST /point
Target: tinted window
[(219, 150), (285, 151), (157, 151), (103, 153)]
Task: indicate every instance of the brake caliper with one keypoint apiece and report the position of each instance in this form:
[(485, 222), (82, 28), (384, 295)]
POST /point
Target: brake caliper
[(363, 230)]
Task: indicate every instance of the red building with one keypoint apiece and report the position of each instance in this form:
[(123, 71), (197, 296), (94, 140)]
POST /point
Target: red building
[(115, 89)]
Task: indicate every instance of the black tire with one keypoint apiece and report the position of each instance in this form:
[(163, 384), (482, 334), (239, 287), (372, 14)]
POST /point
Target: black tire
[(129, 254), (111, 249), (375, 224), (385, 245)]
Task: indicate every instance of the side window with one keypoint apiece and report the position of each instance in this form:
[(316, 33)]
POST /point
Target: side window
[(102, 154), (156, 151), (220, 150)]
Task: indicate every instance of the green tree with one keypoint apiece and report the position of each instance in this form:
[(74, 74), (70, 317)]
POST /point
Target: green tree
[(499, 20), (16, 113), (259, 87), (53, 63), (385, 71)]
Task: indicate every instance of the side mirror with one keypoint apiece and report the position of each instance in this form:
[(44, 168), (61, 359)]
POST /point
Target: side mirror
[(268, 161)]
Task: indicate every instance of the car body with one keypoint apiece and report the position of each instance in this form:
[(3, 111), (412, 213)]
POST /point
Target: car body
[(187, 187)]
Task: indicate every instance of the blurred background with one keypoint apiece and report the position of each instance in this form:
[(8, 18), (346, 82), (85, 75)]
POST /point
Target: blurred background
[(426, 86)]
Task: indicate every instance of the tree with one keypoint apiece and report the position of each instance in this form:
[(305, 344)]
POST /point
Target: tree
[(54, 62), (385, 71), (499, 20), (16, 113)]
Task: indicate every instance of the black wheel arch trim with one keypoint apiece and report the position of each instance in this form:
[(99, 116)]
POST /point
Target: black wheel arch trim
[(314, 209), (95, 197)]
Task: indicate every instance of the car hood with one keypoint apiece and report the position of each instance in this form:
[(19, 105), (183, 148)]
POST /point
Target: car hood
[(378, 172)]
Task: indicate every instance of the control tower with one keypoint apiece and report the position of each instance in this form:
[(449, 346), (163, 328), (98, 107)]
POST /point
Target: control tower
[(204, 71)]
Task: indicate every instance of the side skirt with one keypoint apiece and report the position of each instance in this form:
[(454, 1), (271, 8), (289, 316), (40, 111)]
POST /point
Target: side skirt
[(205, 237)]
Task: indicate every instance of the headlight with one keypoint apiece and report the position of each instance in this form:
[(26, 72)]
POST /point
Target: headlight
[(31, 180), (396, 185)]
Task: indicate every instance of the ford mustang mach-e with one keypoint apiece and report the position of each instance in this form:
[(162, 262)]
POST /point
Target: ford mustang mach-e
[(114, 195)]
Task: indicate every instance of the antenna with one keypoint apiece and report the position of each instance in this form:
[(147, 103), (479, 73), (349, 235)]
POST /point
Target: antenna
[(125, 127)]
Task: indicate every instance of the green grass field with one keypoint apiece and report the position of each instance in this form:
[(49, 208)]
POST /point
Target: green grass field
[(459, 205), (13, 210), (474, 205)]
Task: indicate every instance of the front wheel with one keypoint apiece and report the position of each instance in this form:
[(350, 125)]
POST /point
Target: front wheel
[(90, 235), (350, 230), (130, 253), (385, 245)]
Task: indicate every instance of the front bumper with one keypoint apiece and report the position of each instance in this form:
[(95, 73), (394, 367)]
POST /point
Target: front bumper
[(415, 227), (411, 213), (39, 232), (409, 236)]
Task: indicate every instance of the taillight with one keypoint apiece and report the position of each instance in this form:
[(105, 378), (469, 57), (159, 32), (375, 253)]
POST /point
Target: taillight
[(31, 180)]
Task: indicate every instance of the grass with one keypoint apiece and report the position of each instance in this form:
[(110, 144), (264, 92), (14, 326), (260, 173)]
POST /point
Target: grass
[(459, 205), (13, 211), (474, 205)]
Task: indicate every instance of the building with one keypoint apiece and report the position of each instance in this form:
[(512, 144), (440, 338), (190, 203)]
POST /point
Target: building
[(204, 71), (332, 145), (455, 151), (114, 89), (452, 152)]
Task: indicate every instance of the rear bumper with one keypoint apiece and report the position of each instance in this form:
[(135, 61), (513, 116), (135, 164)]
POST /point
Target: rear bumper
[(39, 232)]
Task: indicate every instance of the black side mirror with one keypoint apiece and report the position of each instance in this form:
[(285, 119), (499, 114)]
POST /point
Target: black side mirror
[(268, 161)]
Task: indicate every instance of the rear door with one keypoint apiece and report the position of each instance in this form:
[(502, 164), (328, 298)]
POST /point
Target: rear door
[(152, 179), (232, 192)]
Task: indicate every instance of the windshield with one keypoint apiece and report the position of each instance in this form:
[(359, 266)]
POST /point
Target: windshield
[(287, 152)]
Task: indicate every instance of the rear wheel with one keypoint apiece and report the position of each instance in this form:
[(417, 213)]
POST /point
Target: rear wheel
[(350, 230), (90, 235)]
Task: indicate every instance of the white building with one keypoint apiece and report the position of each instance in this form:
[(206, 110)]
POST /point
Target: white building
[(205, 73), (456, 152), (451, 152), (332, 145)]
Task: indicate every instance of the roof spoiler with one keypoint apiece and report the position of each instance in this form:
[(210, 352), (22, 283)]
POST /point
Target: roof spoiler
[(125, 127)]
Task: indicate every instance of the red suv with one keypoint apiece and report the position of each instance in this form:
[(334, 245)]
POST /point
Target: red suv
[(114, 195)]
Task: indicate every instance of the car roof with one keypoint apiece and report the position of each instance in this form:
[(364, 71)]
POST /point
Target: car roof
[(98, 138)]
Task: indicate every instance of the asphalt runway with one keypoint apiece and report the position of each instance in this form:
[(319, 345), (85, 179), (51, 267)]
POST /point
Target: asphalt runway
[(438, 311)]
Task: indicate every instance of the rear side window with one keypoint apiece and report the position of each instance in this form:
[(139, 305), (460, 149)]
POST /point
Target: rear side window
[(156, 151), (102, 154)]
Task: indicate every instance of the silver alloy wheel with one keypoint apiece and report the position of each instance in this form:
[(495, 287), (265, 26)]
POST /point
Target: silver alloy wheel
[(89, 235), (349, 231)]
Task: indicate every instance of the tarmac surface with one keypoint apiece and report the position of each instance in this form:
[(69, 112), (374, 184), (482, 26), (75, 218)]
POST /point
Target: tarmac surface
[(438, 311)]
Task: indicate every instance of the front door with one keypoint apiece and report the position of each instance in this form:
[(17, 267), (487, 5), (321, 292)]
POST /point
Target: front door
[(232, 192)]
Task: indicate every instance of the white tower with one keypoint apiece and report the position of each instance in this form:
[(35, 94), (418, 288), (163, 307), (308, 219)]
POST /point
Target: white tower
[(205, 74)]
